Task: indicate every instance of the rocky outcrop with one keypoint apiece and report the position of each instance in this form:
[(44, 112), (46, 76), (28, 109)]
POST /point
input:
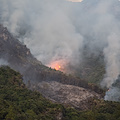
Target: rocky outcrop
[(77, 97)]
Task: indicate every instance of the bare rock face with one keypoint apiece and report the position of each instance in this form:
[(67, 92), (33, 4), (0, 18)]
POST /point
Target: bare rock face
[(77, 97)]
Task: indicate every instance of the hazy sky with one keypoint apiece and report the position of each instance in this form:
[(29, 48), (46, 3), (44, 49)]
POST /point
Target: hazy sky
[(75, 0)]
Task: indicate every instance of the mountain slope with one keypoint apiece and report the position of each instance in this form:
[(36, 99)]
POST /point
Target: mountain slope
[(34, 72), (92, 69), (19, 103)]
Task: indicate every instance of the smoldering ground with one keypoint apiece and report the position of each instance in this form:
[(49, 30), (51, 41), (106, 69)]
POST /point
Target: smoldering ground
[(58, 30)]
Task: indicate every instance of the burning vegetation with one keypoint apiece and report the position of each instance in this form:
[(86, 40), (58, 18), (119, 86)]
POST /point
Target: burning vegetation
[(57, 65)]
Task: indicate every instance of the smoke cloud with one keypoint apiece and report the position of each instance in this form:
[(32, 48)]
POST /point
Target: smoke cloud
[(45, 27), (58, 30), (3, 62)]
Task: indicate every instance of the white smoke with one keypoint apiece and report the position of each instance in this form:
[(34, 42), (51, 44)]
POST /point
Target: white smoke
[(112, 59), (3, 62), (58, 29), (113, 94), (47, 28)]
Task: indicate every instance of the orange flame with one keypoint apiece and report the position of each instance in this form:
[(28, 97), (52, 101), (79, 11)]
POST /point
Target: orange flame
[(57, 67)]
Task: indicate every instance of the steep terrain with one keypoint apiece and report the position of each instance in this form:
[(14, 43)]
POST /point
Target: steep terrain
[(77, 97), (34, 72), (19, 103), (92, 67)]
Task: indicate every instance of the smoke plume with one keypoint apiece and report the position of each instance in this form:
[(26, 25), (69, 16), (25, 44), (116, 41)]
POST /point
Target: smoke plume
[(3, 62), (44, 26), (58, 30)]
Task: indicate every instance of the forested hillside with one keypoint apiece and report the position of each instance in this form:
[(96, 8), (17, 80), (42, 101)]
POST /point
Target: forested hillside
[(19, 103)]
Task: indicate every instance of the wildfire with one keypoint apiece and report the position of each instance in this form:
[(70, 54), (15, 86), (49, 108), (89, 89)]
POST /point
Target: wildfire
[(57, 67)]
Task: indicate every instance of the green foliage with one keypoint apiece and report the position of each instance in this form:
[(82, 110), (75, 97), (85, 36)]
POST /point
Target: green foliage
[(19, 103)]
